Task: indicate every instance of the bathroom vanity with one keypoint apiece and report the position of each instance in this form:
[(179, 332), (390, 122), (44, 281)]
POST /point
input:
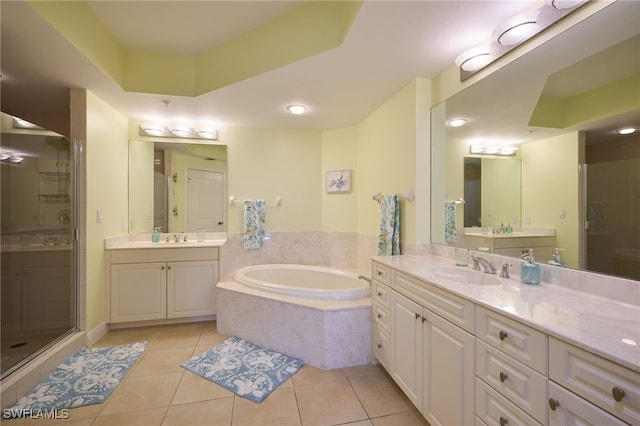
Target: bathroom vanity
[(163, 281), (513, 244), (473, 348)]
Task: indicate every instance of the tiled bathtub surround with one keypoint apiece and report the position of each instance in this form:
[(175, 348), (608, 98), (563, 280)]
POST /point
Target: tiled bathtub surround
[(326, 334)]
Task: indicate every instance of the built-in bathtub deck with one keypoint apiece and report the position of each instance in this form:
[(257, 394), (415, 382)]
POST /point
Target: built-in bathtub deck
[(326, 334)]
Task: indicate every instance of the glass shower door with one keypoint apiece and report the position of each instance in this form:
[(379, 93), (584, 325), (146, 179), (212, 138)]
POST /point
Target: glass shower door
[(38, 297)]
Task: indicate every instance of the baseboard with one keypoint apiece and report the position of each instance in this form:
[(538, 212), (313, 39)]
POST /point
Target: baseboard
[(94, 335)]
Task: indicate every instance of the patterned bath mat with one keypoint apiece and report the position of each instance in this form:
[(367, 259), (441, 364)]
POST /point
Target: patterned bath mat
[(245, 369), (87, 377)]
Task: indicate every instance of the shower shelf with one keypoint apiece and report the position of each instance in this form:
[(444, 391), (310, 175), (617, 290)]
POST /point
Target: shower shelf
[(55, 177), (55, 198)]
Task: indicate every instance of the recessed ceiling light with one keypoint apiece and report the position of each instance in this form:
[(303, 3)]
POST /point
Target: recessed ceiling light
[(626, 130), (297, 109), (456, 122)]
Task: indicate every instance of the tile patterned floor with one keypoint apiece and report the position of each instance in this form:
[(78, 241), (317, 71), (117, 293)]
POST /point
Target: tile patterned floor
[(157, 391)]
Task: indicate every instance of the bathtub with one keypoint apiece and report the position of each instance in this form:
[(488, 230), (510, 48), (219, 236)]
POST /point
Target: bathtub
[(317, 314), (313, 282)]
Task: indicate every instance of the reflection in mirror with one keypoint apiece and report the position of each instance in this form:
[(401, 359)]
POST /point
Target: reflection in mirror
[(560, 105), (177, 187), (484, 205)]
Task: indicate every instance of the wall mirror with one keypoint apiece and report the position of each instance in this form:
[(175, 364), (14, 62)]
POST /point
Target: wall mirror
[(177, 187), (560, 104)]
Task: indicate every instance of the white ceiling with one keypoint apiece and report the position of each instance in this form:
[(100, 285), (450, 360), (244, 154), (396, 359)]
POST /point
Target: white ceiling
[(389, 44)]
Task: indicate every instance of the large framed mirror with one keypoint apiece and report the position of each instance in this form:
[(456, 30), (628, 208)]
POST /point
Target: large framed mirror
[(177, 187), (560, 105)]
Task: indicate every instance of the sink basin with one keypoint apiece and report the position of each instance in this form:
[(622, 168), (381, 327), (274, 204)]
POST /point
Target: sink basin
[(466, 276)]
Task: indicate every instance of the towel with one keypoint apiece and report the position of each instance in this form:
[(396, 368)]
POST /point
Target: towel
[(253, 224), (389, 242), (450, 221)]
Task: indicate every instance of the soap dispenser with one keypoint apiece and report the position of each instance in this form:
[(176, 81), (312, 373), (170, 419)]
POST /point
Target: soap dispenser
[(530, 271), (555, 259), (155, 237)]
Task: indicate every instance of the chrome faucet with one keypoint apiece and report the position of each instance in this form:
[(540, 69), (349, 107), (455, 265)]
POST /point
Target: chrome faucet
[(505, 270), (486, 265)]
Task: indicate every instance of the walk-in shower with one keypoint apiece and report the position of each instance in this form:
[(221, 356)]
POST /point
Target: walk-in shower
[(38, 297)]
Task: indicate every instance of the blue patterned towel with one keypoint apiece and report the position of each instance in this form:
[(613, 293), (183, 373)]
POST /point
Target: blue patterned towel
[(245, 369), (389, 241), (87, 377), (450, 221), (254, 224)]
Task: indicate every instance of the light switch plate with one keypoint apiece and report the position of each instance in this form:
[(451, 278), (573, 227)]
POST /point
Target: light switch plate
[(99, 216)]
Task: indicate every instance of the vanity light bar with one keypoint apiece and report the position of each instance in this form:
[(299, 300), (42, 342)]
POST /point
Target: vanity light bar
[(492, 150), (177, 132)]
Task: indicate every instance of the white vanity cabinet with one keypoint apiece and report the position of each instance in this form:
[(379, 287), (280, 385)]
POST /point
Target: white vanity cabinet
[(513, 246), (432, 357), (584, 382), (381, 295), (157, 284)]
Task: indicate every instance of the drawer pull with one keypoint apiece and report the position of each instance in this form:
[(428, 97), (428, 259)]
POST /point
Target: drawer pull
[(417, 315), (424, 319), (553, 404), (503, 376), (380, 273), (379, 345), (503, 334), (379, 294), (503, 421), (379, 316), (617, 393)]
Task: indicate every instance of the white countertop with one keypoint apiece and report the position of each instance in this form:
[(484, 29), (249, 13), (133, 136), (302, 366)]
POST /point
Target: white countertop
[(596, 324), (505, 235), (143, 241)]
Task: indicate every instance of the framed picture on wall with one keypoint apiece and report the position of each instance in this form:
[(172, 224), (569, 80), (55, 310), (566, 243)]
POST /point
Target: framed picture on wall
[(338, 181)]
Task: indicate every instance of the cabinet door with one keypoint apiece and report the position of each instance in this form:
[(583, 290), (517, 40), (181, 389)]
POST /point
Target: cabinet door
[(406, 346), (191, 288), (449, 372), (138, 292)]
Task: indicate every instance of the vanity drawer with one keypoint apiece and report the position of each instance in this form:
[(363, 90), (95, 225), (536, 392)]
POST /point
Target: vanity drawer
[(381, 293), (380, 273), (570, 409), (494, 409), (522, 342), (450, 307), (519, 383), (382, 316), (381, 346), (596, 379)]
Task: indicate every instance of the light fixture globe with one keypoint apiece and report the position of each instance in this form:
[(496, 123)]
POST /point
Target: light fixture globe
[(517, 29), (474, 59), (564, 4), (297, 109)]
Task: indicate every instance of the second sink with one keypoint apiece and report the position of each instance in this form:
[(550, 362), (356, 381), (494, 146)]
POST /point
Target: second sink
[(466, 276)]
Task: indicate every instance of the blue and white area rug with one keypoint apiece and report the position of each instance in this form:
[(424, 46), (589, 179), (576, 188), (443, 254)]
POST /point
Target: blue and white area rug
[(245, 369), (88, 377)]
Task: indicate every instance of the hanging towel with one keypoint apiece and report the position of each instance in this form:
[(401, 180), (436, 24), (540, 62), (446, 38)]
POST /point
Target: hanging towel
[(450, 221), (389, 242), (254, 224)]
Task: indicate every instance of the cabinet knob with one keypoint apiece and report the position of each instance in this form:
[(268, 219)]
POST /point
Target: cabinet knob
[(379, 294), (617, 393), (503, 334), (503, 421), (553, 404), (162, 268), (417, 315), (379, 345), (424, 319), (503, 376), (380, 273), (169, 267), (379, 316)]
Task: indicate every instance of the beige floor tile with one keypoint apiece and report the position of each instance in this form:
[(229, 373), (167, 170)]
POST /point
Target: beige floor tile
[(362, 423), (329, 403), (119, 338), (408, 418), (142, 393), (278, 409), (206, 413), (138, 418), (193, 388), (308, 375), (379, 395), (177, 336), (362, 370), (161, 361)]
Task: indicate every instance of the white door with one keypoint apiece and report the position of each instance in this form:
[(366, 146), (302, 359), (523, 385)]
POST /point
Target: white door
[(138, 292), (205, 201)]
